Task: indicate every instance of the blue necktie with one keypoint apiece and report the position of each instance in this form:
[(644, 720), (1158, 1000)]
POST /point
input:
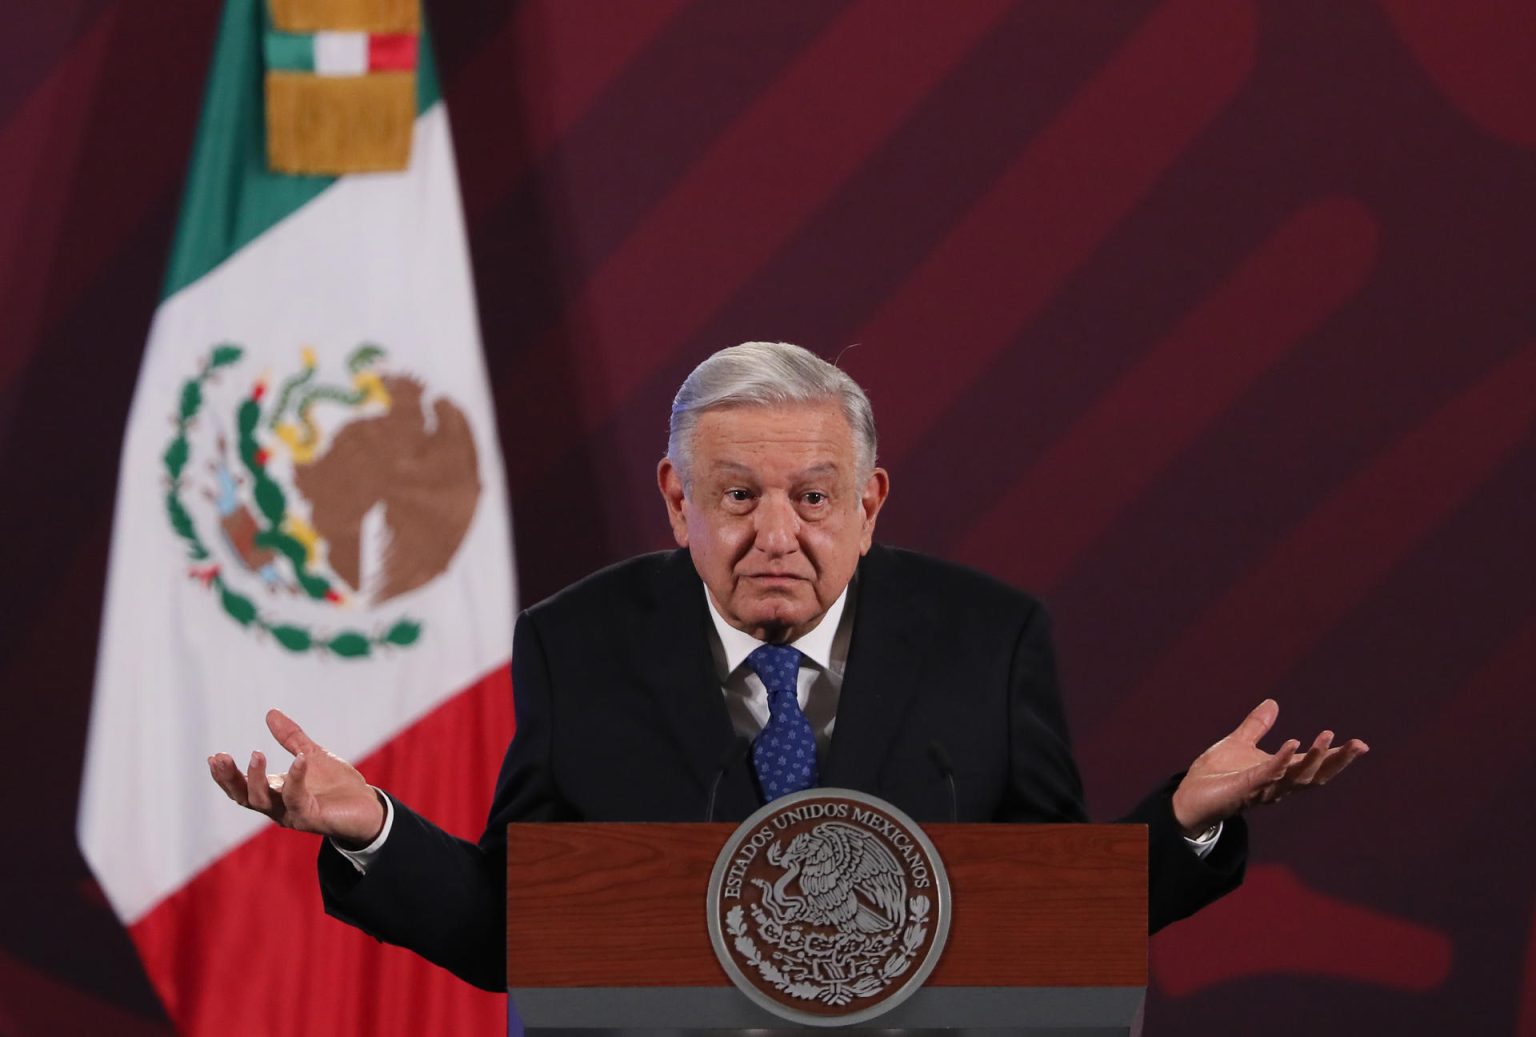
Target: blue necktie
[(784, 754)]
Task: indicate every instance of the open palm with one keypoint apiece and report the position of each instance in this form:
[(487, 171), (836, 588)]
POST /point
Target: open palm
[(320, 792), (1235, 773)]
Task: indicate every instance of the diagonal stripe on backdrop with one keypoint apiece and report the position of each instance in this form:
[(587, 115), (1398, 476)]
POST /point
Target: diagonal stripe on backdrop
[(1488, 711), (32, 1000), (1363, 944), (42, 137), (1052, 209), (1309, 268), (862, 76), (564, 57), (1327, 564)]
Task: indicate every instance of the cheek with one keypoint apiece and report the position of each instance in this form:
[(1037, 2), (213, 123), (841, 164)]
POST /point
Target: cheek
[(718, 536), (835, 551)]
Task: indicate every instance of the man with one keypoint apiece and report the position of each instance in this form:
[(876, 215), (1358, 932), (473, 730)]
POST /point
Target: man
[(779, 621)]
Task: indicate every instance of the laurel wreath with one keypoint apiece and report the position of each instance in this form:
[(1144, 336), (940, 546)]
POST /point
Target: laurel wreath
[(272, 504), (836, 994)]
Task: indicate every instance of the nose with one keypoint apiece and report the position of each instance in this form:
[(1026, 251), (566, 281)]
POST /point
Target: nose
[(777, 525)]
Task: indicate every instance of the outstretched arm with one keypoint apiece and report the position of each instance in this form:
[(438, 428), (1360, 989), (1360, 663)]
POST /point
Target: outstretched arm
[(1235, 773), (320, 792)]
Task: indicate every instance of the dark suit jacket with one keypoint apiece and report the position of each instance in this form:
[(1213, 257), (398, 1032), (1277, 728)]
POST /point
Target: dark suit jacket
[(620, 717)]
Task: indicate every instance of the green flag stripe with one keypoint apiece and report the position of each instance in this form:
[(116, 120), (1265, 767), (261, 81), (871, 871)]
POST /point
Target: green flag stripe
[(289, 51), (231, 197)]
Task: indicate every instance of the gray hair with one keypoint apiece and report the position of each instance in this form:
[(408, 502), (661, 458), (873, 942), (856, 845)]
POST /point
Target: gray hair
[(764, 374)]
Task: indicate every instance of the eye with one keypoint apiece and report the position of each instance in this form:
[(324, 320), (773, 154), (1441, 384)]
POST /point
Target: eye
[(815, 498), (738, 496)]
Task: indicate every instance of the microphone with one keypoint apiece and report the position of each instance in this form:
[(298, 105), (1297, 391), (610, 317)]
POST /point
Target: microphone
[(940, 759), (738, 750)]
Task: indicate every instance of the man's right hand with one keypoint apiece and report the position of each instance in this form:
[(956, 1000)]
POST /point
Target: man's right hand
[(320, 793)]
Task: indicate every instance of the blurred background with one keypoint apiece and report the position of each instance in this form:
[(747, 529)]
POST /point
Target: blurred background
[(1211, 323)]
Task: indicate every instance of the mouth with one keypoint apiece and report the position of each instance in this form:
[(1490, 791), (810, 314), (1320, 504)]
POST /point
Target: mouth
[(774, 579)]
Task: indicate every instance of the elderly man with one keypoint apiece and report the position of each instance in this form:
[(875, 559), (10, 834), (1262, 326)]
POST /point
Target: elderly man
[(779, 621)]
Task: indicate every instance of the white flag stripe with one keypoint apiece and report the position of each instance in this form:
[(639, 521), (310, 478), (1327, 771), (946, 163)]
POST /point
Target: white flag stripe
[(341, 53), (378, 258)]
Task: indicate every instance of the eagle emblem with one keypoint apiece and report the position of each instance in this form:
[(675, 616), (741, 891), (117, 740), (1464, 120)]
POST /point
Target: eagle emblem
[(306, 504), (828, 906), (846, 880)]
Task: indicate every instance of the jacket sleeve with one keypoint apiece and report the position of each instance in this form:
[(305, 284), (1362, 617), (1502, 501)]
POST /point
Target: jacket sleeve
[(1179, 881), (445, 897), (1045, 784)]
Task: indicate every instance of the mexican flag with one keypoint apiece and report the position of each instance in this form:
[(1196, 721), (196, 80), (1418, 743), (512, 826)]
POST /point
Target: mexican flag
[(311, 515)]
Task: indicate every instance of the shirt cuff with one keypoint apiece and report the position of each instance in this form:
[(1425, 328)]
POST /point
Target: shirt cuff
[(1202, 846), (362, 859)]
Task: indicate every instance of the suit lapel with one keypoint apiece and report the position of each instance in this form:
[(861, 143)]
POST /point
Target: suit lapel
[(680, 676), (886, 667)]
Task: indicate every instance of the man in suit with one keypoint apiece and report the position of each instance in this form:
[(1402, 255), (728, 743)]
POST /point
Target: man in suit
[(778, 623)]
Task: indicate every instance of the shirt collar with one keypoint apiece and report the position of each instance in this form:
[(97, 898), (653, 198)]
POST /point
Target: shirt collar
[(816, 646)]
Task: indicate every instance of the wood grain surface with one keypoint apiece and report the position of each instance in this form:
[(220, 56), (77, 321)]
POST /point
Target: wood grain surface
[(625, 905)]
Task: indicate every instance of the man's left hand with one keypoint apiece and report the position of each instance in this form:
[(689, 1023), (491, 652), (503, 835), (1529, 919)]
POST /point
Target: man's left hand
[(1235, 773)]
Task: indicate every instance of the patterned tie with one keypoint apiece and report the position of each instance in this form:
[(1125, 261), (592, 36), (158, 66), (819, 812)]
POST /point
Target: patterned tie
[(784, 754)]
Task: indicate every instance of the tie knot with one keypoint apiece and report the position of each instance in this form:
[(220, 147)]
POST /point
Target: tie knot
[(777, 666)]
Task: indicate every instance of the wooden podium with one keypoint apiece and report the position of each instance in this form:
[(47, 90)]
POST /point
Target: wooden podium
[(606, 931)]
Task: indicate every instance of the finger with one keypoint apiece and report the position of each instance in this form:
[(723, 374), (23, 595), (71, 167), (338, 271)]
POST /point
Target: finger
[(1257, 723), (289, 735), (1279, 762), (257, 790), (1263, 780), (1339, 758), (294, 791), (1303, 772), (228, 777)]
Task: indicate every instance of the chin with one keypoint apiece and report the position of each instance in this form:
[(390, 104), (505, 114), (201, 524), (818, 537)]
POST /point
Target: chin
[(777, 616)]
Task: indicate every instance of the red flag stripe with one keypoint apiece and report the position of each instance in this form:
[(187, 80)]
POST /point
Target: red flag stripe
[(392, 52), (263, 900)]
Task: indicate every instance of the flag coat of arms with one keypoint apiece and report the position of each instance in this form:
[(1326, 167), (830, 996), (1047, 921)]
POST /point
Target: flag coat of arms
[(311, 515)]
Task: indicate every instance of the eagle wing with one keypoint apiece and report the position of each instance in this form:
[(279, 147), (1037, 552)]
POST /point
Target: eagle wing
[(824, 878), (852, 863)]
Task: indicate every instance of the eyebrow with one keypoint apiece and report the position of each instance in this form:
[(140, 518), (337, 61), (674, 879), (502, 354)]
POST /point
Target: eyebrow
[(823, 468), (815, 470)]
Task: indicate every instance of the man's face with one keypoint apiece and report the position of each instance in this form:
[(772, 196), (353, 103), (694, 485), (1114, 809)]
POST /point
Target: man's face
[(776, 519)]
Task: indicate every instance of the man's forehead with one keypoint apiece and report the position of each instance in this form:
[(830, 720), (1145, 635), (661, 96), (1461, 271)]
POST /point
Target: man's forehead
[(806, 439), (807, 424), (733, 469)]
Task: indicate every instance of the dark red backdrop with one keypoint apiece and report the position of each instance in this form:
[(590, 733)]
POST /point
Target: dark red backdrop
[(1212, 322)]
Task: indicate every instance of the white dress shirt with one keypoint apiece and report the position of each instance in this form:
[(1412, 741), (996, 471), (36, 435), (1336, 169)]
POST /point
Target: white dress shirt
[(825, 652)]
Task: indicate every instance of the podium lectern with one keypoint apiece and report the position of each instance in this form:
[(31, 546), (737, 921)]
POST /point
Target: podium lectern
[(606, 931)]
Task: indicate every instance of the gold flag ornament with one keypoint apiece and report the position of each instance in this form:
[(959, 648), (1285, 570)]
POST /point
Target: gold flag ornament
[(340, 85)]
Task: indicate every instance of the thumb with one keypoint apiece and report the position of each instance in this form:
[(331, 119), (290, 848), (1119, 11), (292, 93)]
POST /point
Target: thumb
[(289, 735), (1257, 723)]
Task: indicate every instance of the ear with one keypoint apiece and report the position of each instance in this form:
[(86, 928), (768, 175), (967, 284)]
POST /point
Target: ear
[(870, 502), (670, 481)]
